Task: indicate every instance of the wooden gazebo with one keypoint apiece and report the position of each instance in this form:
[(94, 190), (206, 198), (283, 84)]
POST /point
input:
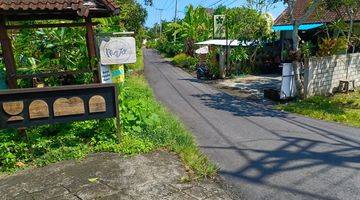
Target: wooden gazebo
[(23, 10)]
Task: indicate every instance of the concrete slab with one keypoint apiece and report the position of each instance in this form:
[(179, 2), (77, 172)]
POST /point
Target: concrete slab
[(111, 176)]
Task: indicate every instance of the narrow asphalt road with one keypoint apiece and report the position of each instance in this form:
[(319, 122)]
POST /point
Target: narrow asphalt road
[(266, 154)]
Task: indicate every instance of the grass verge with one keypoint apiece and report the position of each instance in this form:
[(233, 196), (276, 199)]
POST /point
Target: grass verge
[(147, 126), (343, 108)]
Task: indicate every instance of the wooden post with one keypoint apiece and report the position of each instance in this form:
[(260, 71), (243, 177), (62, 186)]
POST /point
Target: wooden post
[(90, 43), (7, 54), (118, 122), (90, 38)]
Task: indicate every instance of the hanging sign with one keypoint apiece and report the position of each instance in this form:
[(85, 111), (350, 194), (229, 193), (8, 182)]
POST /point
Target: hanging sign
[(219, 26), (117, 50), (3, 84), (112, 74)]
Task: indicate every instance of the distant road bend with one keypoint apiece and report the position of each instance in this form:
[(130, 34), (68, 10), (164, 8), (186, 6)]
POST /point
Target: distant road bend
[(264, 153)]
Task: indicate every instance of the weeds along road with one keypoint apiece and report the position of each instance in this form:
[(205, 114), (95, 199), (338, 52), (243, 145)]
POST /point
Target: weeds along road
[(264, 153)]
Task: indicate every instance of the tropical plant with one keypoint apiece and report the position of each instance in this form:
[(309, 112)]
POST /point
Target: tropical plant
[(193, 28), (332, 46), (306, 49)]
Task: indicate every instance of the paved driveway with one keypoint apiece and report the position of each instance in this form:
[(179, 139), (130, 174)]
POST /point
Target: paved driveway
[(266, 154)]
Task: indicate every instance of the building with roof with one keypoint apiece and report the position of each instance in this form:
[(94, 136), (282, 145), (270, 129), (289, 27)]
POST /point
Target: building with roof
[(313, 27)]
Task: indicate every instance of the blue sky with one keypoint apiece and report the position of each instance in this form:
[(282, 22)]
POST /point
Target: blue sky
[(169, 8)]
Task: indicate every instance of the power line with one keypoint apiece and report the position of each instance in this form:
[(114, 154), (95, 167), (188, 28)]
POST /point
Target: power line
[(202, 2), (160, 21), (231, 3), (212, 5)]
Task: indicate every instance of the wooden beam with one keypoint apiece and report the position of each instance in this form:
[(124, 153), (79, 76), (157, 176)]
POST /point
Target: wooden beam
[(91, 47), (8, 54), (90, 38), (51, 25)]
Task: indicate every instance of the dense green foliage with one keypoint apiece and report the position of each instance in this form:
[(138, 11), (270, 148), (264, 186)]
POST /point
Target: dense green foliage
[(64, 49), (178, 37), (245, 24), (344, 108), (132, 18), (50, 50), (183, 60)]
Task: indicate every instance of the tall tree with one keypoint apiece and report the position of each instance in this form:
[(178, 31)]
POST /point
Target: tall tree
[(250, 26)]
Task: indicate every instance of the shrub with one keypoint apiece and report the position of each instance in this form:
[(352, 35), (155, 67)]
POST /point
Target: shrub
[(183, 60), (152, 44), (328, 47), (307, 49), (180, 59), (169, 48)]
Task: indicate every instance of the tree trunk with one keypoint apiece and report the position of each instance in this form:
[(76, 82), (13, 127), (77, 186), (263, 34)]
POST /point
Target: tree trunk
[(253, 57), (297, 66), (350, 13), (295, 36)]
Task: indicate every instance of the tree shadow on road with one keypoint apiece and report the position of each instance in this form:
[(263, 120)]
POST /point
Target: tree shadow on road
[(238, 107), (330, 150)]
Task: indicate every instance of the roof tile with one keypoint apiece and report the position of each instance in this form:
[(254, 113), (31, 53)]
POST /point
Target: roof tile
[(76, 5), (300, 9)]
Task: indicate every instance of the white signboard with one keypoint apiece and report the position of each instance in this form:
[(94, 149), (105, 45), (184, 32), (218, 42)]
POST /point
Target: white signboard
[(219, 26), (202, 50), (105, 74), (112, 74), (117, 50)]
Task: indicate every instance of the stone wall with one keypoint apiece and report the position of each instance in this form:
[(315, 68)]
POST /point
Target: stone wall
[(323, 74)]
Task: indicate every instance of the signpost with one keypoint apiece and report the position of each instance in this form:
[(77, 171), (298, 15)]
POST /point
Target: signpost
[(114, 53), (117, 50), (219, 27), (20, 108)]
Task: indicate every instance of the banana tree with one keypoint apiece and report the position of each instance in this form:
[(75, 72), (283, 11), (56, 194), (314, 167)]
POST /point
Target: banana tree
[(195, 27)]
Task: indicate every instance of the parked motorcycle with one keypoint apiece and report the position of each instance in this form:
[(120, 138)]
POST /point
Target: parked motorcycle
[(203, 73)]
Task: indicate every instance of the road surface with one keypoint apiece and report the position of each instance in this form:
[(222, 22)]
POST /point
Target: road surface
[(264, 153)]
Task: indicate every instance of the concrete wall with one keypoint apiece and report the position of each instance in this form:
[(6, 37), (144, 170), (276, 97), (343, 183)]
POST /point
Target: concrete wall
[(322, 75)]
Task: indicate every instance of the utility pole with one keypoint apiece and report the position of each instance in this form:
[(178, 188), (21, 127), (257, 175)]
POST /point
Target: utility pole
[(227, 47), (160, 20), (176, 10)]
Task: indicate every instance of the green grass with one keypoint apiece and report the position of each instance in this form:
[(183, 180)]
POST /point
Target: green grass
[(342, 108), (147, 126)]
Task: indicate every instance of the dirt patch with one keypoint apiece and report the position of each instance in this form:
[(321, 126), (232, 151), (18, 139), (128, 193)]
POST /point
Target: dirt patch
[(249, 87), (112, 176)]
